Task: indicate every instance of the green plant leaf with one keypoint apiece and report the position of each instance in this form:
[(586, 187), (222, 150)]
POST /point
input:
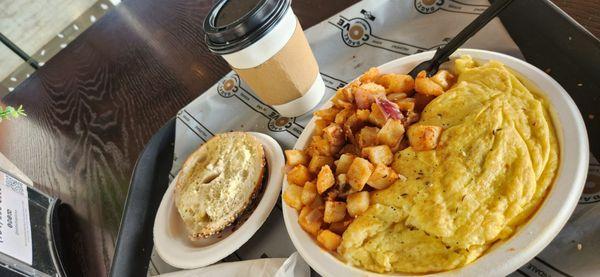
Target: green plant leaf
[(10, 112)]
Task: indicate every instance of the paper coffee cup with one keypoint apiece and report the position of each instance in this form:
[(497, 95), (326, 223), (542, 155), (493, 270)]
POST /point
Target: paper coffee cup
[(263, 42)]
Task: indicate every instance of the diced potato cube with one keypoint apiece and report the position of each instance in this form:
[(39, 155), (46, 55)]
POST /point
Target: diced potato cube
[(325, 179), (343, 115), (328, 114), (425, 85), (329, 240), (309, 193), (340, 94), (312, 149), (382, 177), (357, 203), (319, 161), (341, 100), (376, 116), (406, 104), (343, 163), (340, 226), (359, 172), (380, 154), (312, 221), (310, 227), (397, 83), (342, 104), (444, 78), (348, 91), (296, 157), (298, 175), (396, 96), (334, 211), (316, 215), (334, 134), (355, 121), (370, 75), (362, 115), (293, 196), (424, 137), (304, 211), (366, 94), (320, 146), (391, 133), (320, 124), (367, 137)]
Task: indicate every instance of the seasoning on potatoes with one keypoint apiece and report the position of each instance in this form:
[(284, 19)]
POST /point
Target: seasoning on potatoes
[(296, 157), (329, 240)]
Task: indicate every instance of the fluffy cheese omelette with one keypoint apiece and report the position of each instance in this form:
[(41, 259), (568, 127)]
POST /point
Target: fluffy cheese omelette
[(497, 156)]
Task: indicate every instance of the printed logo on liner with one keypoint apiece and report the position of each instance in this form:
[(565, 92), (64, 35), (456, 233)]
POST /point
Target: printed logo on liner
[(428, 6), (280, 123), (229, 86), (368, 15), (355, 31), (591, 191)]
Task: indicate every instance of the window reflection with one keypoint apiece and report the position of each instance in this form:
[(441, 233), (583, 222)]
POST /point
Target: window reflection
[(34, 31)]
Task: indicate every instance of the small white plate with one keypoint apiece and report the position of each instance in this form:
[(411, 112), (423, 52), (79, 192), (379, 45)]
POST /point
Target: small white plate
[(171, 238)]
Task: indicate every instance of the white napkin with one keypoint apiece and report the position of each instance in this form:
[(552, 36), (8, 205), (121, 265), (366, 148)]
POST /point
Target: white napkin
[(294, 266)]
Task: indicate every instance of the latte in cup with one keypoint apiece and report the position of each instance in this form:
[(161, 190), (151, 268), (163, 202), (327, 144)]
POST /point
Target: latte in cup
[(264, 44)]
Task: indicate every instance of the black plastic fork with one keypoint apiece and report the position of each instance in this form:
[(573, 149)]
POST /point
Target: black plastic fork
[(442, 54)]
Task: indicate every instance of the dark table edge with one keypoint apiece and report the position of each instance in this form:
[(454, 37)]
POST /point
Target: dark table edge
[(573, 22), (555, 43), (149, 182)]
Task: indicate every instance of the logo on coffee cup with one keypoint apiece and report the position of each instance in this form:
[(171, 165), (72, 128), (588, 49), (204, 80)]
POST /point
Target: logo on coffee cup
[(428, 6), (591, 191), (228, 86), (280, 124), (355, 31)]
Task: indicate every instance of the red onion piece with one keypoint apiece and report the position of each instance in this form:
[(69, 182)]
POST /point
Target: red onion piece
[(389, 108)]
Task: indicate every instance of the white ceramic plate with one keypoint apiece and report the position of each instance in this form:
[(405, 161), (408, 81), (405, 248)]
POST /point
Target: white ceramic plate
[(531, 238), (170, 236)]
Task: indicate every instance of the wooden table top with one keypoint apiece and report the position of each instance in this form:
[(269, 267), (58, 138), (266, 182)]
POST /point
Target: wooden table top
[(93, 106)]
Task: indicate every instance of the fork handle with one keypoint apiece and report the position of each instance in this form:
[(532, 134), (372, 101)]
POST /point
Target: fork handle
[(442, 54)]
